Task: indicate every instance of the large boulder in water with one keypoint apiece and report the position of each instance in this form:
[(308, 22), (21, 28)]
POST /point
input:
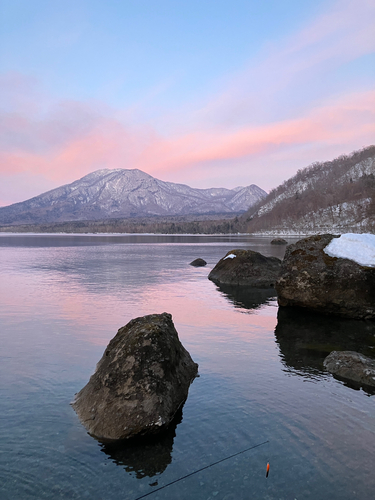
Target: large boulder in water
[(140, 382), (246, 267), (351, 366), (312, 279)]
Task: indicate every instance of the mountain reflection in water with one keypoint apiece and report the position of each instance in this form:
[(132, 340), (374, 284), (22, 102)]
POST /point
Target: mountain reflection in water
[(144, 456), (244, 297), (305, 339)]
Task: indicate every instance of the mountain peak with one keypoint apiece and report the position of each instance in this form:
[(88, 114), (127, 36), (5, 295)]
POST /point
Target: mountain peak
[(117, 193)]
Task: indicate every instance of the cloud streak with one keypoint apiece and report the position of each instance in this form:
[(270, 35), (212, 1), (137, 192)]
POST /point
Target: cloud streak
[(107, 143), (346, 119)]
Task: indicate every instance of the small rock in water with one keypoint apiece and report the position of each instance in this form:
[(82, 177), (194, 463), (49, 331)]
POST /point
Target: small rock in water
[(198, 263), (279, 241), (140, 382), (352, 366)]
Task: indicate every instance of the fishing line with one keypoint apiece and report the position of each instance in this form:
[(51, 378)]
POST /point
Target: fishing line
[(199, 470)]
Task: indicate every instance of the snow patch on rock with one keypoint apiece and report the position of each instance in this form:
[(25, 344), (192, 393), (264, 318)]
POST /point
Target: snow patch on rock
[(357, 247), (230, 256)]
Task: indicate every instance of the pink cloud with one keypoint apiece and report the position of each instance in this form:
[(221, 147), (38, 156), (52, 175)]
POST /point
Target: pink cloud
[(109, 144), (66, 145), (348, 118)]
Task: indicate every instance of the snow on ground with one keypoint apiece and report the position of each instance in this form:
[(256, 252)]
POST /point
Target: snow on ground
[(338, 219), (299, 186), (357, 247), (365, 167)]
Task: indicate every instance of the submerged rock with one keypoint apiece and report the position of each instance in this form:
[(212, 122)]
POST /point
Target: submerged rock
[(305, 338), (246, 267), (314, 280), (279, 241), (140, 382), (351, 366), (198, 263)]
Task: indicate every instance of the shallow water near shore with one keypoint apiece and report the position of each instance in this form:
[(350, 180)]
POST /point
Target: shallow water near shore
[(262, 382)]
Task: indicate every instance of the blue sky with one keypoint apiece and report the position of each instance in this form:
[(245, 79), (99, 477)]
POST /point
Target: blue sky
[(206, 93)]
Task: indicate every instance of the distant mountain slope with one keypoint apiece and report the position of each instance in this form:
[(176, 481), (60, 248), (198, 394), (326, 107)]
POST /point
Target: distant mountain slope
[(127, 193), (333, 196)]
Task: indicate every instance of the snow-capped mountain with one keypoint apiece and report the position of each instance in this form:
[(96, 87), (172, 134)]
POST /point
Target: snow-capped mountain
[(127, 193)]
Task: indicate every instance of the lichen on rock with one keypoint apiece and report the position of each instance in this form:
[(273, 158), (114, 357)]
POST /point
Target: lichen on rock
[(140, 382)]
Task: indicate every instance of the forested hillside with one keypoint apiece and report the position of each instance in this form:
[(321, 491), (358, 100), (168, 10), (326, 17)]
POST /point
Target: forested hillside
[(333, 196)]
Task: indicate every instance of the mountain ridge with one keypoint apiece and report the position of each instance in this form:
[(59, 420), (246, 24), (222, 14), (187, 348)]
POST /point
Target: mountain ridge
[(119, 193), (333, 196)]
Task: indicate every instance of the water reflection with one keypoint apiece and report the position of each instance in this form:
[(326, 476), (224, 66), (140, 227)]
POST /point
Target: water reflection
[(305, 339), (68, 240), (245, 297), (59, 307), (145, 457)]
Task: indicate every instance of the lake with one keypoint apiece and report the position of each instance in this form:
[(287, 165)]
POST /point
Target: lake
[(262, 395)]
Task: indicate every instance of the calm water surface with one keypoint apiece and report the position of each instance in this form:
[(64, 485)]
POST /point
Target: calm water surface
[(63, 297)]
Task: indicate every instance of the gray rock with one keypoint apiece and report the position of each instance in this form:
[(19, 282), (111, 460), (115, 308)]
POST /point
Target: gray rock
[(198, 263), (352, 366), (140, 382), (312, 279), (279, 241), (246, 267)]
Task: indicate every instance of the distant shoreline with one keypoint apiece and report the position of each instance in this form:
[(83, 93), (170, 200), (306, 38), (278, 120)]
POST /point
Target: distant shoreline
[(219, 225), (258, 235)]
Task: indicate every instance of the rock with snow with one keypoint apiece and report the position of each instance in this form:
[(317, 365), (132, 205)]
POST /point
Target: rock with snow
[(357, 247), (198, 263), (352, 366), (246, 267), (313, 279), (140, 382)]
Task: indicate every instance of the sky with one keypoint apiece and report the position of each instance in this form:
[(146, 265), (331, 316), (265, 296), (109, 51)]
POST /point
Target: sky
[(208, 93)]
